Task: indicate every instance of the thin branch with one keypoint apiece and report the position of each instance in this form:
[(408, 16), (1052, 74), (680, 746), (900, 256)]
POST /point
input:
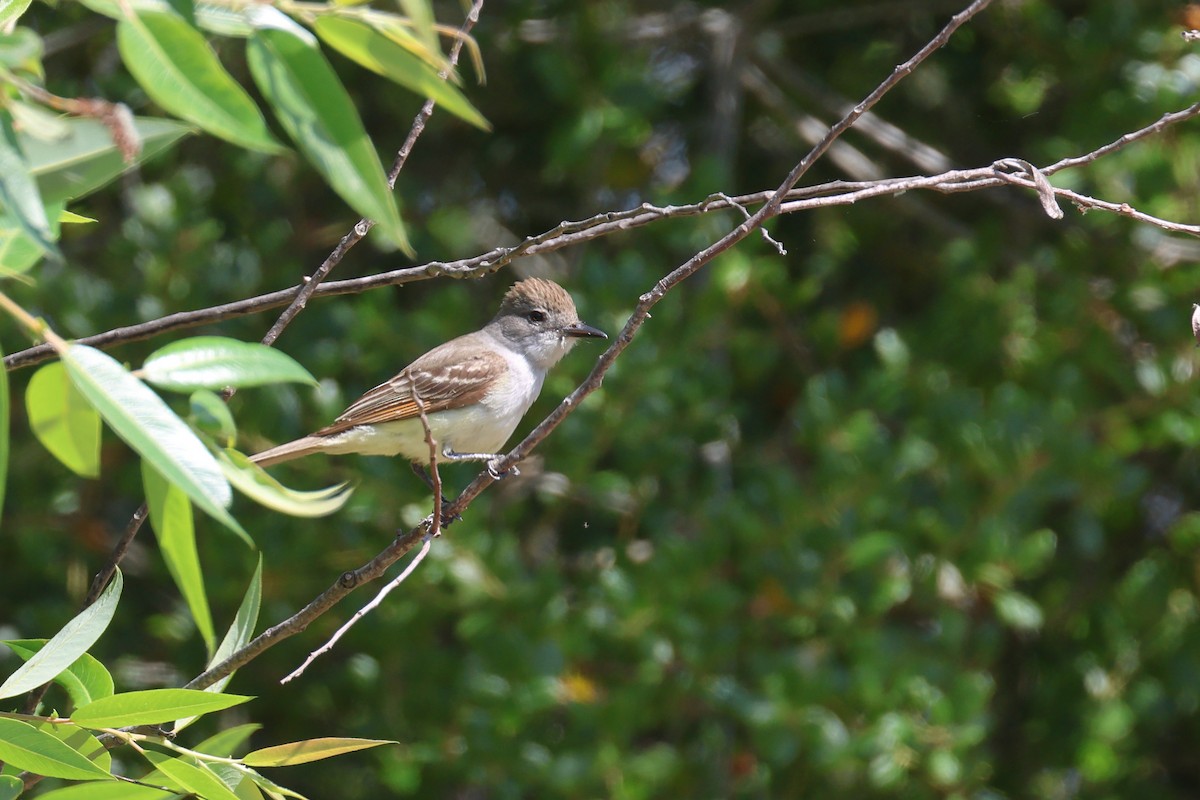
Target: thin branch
[(435, 530), (402, 544), (568, 234)]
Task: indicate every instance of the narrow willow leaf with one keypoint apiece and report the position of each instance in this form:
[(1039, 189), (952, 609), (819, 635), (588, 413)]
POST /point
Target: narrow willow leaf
[(5, 425), (210, 414), (63, 421), (378, 53), (11, 10), (18, 252), (171, 519), (177, 68), (87, 159), (421, 14), (272, 788), (152, 707), (191, 778), (218, 19), (66, 646), (81, 741), (254, 482), (238, 635), (144, 421), (286, 755), (313, 107), (71, 217), (107, 791), (224, 744), (19, 191), (214, 362), (85, 680), (25, 747)]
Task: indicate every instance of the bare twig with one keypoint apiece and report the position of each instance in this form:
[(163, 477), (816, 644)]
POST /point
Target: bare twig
[(434, 531), (402, 544)]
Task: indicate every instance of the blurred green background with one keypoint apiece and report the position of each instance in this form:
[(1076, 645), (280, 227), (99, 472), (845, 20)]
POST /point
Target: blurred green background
[(909, 512)]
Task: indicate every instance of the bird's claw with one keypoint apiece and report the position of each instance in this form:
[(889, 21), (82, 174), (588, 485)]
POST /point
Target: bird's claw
[(498, 475)]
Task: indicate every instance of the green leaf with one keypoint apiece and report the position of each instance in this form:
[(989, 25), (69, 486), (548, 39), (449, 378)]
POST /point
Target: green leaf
[(218, 19), (273, 789), (239, 633), (1018, 611), (191, 778), (18, 252), (11, 787), (71, 217), (313, 107), (11, 10), (211, 415), (5, 425), (81, 741), (378, 53), (25, 747), (144, 421), (420, 13), (171, 519), (86, 158), (21, 50), (63, 421), (225, 743), (19, 192), (85, 680), (254, 482), (174, 64), (286, 755), (66, 646), (107, 791), (152, 707), (214, 362)]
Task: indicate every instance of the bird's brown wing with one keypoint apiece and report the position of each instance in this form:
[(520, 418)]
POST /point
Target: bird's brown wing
[(440, 378)]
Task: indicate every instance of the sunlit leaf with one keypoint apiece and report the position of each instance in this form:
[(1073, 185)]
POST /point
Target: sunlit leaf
[(152, 707), (214, 362), (378, 53), (284, 755), (211, 415), (19, 191), (238, 635), (25, 747), (107, 791), (86, 159), (171, 519), (85, 680), (11, 10), (144, 421), (81, 741), (225, 743), (191, 778), (254, 482), (63, 420), (177, 68), (313, 107), (66, 646)]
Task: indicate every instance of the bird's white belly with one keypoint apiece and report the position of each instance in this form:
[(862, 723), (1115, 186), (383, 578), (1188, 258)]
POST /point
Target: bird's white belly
[(480, 428)]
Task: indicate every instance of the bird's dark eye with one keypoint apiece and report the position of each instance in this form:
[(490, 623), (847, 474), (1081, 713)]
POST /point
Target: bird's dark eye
[(536, 316)]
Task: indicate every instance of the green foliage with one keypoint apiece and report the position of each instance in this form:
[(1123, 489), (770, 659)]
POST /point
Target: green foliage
[(909, 512)]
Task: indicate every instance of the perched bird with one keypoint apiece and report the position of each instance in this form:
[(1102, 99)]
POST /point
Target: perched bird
[(475, 389)]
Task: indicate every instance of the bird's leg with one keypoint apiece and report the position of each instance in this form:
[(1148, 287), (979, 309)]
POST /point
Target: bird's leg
[(491, 458), (422, 473)]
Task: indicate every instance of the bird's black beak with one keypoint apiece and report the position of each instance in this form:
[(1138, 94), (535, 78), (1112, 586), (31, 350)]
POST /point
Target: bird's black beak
[(581, 330)]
